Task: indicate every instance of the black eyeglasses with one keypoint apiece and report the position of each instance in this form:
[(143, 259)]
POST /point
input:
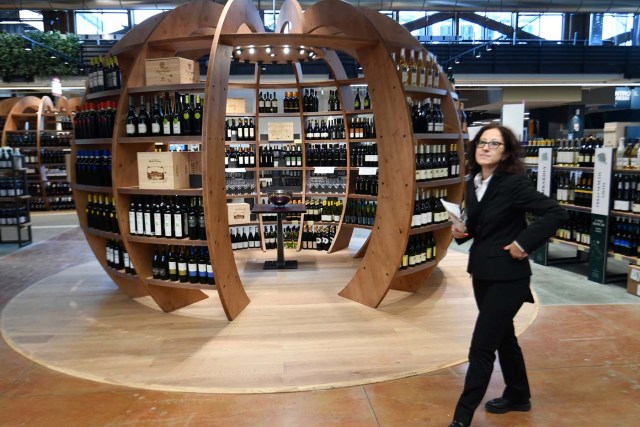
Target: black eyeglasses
[(492, 144)]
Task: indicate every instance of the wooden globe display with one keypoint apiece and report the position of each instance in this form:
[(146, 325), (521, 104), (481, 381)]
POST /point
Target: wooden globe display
[(235, 32)]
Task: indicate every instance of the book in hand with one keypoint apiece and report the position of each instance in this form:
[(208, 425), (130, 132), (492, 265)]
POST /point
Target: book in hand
[(455, 214)]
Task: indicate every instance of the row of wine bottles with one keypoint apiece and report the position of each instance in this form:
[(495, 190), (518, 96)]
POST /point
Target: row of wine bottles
[(52, 156), (274, 156), (364, 155), (55, 139), (58, 188), (435, 162), (417, 68), (573, 188), (182, 264), (361, 212), (14, 215), (91, 121), (289, 237), (21, 139), (316, 237), (239, 157), (93, 167), (175, 217), (421, 248), (366, 185), (427, 117), (428, 209), (627, 193), (182, 116), (326, 155), (11, 186), (245, 130), (101, 213), (624, 236), (104, 74), (577, 152), (577, 229), (118, 257), (323, 210), (240, 239)]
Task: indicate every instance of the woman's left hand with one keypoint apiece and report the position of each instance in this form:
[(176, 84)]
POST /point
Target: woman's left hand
[(515, 251)]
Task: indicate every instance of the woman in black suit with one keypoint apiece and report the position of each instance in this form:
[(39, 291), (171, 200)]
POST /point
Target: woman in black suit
[(498, 197)]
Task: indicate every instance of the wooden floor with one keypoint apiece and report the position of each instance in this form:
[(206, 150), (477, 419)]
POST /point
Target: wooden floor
[(297, 333)]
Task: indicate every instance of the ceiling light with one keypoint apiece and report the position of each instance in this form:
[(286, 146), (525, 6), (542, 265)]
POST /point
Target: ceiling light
[(272, 55), (252, 51), (238, 51), (301, 51), (267, 49), (489, 48), (457, 61), (286, 50), (478, 54)]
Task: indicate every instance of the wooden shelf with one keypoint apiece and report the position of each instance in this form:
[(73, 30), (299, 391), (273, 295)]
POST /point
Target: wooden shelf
[(12, 198), (579, 246), (324, 141), (366, 227), (356, 112), (103, 94), (363, 196), (417, 269), (238, 85), (122, 274), (439, 182), (312, 222), (357, 140), (159, 192), (572, 168), (339, 195), (430, 227), (232, 143), (292, 115), (424, 90), (22, 225), (325, 83), (183, 44), (94, 141), (620, 257), (322, 113), (192, 139), (576, 208), (241, 196), (166, 241), (283, 168), (93, 188), (178, 285), (56, 147), (622, 214), (629, 171), (184, 87), (105, 234), (436, 136), (241, 115)]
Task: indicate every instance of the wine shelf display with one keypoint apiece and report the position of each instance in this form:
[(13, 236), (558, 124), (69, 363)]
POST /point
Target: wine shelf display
[(348, 136), (44, 135)]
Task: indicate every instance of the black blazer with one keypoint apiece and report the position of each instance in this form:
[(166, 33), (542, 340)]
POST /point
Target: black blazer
[(499, 219)]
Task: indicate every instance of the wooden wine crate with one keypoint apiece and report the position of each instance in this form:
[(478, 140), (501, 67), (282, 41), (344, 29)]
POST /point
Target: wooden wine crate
[(166, 71), (166, 170), (239, 213)]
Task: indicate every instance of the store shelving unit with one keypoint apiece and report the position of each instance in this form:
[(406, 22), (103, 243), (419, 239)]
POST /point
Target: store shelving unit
[(369, 38)]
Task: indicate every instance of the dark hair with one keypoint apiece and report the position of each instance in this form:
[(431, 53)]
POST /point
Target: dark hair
[(513, 153)]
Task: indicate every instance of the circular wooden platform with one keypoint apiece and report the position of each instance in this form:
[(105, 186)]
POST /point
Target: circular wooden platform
[(297, 333)]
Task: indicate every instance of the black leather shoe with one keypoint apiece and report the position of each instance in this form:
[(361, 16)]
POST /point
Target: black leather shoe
[(456, 423), (501, 405)]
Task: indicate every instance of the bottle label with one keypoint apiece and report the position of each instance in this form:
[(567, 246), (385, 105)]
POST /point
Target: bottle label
[(142, 128), (157, 224), (182, 268), (132, 223), (155, 128), (173, 268), (177, 220), (131, 129)]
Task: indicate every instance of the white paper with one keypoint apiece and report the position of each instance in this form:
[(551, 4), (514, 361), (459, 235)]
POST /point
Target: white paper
[(455, 214)]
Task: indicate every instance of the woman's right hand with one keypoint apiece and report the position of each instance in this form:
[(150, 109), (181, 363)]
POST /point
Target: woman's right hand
[(457, 233)]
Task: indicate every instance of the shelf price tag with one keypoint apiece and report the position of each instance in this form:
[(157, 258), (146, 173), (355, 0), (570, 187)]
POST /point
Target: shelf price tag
[(235, 170), (319, 170), (367, 171)]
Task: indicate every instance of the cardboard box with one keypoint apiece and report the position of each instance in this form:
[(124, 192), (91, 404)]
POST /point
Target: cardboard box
[(166, 71), (613, 131), (239, 213), (236, 105), (166, 170), (632, 280)]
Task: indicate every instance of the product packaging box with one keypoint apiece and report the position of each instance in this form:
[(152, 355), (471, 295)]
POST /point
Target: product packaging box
[(238, 213), (165, 170), (632, 280), (613, 131), (166, 71), (195, 169)]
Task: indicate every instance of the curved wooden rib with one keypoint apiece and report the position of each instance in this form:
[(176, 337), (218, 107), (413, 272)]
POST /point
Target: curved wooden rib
[(27, 104), (232, 294), (199, 12), (7, 104), (290, 13), (395, 145)]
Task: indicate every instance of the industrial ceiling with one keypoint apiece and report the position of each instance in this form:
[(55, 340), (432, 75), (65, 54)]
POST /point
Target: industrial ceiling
[(569, 6)]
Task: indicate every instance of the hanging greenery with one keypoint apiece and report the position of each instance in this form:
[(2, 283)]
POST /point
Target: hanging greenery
[(18, 62)]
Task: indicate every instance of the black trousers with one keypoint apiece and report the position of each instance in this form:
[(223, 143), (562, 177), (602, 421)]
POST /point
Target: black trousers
[(498, 302)]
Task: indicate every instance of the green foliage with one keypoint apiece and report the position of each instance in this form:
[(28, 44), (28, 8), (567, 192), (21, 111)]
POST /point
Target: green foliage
[(15, 61)]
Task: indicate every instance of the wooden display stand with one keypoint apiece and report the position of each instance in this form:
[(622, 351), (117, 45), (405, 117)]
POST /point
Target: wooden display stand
[(202, 27), (41, 116)]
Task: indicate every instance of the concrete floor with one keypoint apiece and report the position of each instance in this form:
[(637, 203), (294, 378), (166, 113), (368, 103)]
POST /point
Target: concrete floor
[(582, 352)]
